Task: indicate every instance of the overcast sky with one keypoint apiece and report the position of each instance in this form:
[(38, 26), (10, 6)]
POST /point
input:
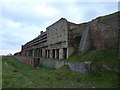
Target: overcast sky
[(22, 20)]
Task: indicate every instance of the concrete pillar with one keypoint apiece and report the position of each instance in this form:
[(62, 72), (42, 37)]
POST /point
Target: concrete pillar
[(43, 52), (33, 52), (51, 54), (61, 53), (27, 53), (47, 53), (55, 53)]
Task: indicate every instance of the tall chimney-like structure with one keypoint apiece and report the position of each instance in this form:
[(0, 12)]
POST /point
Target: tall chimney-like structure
[(41, 32)]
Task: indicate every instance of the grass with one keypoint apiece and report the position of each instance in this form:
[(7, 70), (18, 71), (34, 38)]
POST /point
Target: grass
[(109, 18), (44, 77)]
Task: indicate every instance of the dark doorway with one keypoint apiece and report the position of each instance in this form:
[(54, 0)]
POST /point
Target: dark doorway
[(77, 42), (35, 53), (37, 50), (64, 53), (30, 52), (53, 52), (57, 53)]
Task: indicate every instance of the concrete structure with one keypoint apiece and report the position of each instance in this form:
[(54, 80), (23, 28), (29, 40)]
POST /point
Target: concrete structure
[(62, 38), (85, 42), (53, 43)]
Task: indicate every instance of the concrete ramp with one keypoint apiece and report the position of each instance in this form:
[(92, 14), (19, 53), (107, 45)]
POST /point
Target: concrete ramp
[(85, 42)]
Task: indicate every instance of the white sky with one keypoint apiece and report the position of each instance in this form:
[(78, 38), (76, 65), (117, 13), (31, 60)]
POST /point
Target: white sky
[(22, 20)]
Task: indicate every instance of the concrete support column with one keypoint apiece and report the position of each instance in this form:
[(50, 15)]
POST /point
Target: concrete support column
[(27, 54), (43, 53), (61, 54), (55, 53), (33, 52), (47, 54), (51, 54)]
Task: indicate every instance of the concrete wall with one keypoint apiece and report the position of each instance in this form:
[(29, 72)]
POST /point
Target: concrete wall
[(85, 42), (57, 32), (70, 51), (82, 68)]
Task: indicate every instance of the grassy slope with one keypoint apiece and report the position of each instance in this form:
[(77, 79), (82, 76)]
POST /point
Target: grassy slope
[(30, 77), (107, 56), (109, 18)]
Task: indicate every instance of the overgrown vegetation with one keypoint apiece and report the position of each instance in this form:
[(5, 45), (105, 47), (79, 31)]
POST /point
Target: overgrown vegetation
[(19, 75), (109, 18)]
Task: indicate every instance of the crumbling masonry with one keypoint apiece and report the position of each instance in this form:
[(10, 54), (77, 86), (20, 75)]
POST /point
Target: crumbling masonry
[(62, 38)]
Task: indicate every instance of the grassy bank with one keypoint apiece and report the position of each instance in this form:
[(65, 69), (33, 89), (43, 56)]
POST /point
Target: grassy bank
[(19, 75), (108, 56)]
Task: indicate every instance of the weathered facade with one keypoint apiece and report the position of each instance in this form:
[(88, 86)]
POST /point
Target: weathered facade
[(53, 43), (62, 38)]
